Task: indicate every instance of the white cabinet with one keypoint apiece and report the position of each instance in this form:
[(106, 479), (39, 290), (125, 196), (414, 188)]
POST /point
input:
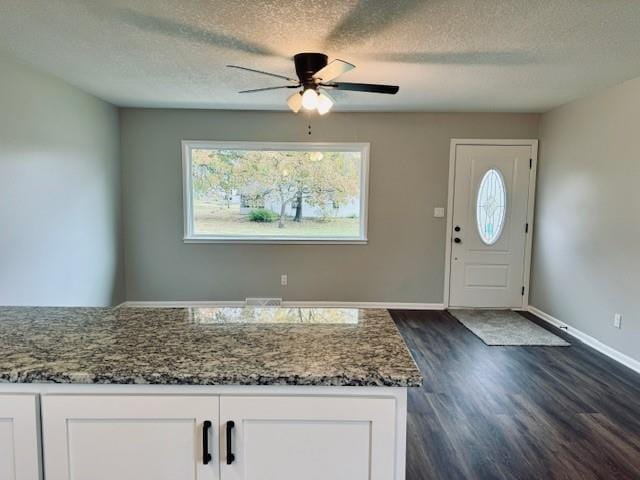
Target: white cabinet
[(104, 437), (19, 446), (19, 450), (311, 438), (276, 434)]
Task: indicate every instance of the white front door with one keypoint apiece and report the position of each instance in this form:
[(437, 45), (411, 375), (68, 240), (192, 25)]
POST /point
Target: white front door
[(489, 225)]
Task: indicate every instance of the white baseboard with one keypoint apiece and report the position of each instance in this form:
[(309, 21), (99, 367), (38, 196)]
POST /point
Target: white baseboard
[(620, 357), (385, 305), (180, 304), (299, 304)]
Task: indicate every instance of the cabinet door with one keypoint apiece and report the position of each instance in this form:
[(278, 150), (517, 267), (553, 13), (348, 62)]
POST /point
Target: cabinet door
[(129, 437), (311, 438), (19, 450)]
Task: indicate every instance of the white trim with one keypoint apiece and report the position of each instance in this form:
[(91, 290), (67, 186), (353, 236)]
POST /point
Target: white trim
[(449, 232), (286, 304), (276, 241), (181, 304), (383, 305), (530, 207), (187, 200), (530, 220), (612, 353)]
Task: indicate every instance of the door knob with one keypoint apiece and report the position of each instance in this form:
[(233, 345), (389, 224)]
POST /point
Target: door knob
[(457, 240), (457, 229)]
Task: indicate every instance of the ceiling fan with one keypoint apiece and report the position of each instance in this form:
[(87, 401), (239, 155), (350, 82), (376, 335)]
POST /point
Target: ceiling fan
[(315, 77)]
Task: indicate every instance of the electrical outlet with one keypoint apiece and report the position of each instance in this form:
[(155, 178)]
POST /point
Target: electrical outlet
[(438, 212), (617, 320), (283, 280)]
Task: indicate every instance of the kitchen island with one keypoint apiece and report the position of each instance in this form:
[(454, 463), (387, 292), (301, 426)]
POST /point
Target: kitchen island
[(202, 393)]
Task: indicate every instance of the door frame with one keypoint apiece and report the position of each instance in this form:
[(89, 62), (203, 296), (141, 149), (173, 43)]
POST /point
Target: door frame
[(530, 207)]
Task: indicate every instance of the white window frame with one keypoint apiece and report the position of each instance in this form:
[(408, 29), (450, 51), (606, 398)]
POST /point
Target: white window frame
[(191, 237)]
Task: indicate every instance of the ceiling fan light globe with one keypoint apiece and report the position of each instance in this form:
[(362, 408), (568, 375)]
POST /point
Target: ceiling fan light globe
[(324, 103), (295, 102), (310, 99)]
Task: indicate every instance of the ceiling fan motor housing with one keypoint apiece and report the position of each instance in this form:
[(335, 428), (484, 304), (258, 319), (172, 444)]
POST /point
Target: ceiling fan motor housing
[(306, 65)]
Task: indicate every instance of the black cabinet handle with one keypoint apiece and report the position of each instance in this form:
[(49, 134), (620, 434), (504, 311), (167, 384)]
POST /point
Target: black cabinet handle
[(457, 240), (230, 456), (206, 455)]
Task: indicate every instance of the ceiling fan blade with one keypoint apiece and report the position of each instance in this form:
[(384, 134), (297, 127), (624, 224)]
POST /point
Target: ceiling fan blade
[(325, 92), (364, 87), (264, 73), (333, 70), (267, 88), (295, 102)]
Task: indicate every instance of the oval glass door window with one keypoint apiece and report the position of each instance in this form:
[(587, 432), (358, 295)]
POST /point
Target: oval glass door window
[(491, 206)]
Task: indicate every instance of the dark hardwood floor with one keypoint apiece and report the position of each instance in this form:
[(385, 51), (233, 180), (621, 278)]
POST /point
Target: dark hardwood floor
[(516, 412)]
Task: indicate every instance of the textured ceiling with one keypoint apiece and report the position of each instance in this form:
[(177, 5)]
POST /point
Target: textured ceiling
[(446, 55)]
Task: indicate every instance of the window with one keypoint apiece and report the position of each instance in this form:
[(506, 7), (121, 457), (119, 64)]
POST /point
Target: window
[(275, 192), (491, 206)]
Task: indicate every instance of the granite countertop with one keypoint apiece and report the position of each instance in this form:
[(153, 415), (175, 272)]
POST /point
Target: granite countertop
[(204, 346)]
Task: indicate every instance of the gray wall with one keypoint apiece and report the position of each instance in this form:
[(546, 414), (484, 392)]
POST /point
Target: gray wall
[(586, 263), (59, 193), (404, 260)]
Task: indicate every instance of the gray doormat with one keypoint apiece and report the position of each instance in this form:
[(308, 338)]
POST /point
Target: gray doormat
[(504, 327)]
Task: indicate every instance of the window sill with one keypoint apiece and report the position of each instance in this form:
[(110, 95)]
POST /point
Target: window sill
[(278, 241)]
